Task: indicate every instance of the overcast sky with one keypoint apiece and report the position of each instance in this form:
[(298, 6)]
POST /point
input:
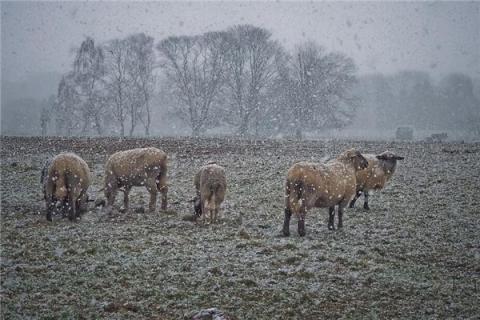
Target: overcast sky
[(440, 37)]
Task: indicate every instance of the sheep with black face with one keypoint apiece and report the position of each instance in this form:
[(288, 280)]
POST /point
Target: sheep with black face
[(65, 180), (380, 170)]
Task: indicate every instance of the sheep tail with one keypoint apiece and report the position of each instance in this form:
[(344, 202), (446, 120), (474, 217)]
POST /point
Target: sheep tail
[(61, 187), (295, 196)]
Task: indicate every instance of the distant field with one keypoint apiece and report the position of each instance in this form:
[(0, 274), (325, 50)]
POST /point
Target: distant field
[(416, 254)]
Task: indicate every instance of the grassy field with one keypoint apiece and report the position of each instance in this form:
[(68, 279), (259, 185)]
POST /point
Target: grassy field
[(415, 254)]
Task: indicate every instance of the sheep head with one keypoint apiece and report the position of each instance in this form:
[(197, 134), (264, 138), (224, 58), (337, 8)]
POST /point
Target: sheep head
[(197, 206), (389, 156), (355, 158)]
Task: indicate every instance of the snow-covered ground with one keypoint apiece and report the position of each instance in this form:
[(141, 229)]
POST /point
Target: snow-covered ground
[(414, 255)]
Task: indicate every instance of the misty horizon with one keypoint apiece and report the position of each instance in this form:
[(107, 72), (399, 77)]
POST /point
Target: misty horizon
[(401, 61)]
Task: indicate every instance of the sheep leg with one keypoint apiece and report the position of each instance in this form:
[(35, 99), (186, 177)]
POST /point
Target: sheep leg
[(340, 216), (206, 213), (77, 204), (213, 218), (197, 206), (163, 189), (365, 204), (72, 212), (153, 201), (286, 222), (110, 194), (50, 208), (164, 192), (125, 198), (301, 221), (331, 218), (357, 195), (152, 189), (301, 225)]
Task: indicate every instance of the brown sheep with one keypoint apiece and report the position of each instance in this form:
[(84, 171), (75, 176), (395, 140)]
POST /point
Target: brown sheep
[(211, 186), (317, 185), (379, 171), (136, 167), (65, 179)]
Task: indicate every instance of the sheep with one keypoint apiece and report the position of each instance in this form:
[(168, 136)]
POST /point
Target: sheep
[(211, 186), (315, 185), (66, 178), (136, 167), (380, 170)]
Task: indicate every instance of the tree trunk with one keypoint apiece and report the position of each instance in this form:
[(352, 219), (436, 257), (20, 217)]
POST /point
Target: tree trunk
[(147, 125), (85, 125), (132, 121), (122, 130), (298, 132), (98, 126), (243, 129), (196, 131)]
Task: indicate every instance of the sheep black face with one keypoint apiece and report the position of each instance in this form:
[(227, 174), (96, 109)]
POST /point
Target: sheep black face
[(358, 160), (389, 156), (389, 160), (197, 207)]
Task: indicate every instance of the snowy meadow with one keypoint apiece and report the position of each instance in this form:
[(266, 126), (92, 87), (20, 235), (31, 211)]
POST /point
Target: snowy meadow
[(415, 254)]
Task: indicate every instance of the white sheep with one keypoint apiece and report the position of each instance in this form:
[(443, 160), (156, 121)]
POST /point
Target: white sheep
[(317, 185), (211, 185), (136, 167), (66, 178)]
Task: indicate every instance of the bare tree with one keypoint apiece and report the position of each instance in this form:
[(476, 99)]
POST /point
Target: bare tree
[(194, 65), (462, 107), (88, 73), (46, 113), (66, 117), (250, 68), (321, 84), (141, 66), (118, 84), (44, 120)]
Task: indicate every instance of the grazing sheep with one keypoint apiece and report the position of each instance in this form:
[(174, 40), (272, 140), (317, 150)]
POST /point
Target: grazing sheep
[(66, 178), (315, 185), (136, 167), (379, 171), (211, 185)]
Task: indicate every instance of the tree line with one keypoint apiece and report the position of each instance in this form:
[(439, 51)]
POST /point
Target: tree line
[(239, 78), (413, 98)]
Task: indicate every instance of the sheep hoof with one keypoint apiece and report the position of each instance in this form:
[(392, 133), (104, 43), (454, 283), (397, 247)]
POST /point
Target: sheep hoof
[(330, 227), (301, 228), (352, 205), (366, 207)]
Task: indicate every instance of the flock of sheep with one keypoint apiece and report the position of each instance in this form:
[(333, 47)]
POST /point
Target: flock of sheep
[(339, 182)]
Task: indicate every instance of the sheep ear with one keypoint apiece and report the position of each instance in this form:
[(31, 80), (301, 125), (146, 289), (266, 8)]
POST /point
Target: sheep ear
[(398, 158), (351, 153), (381, 157)]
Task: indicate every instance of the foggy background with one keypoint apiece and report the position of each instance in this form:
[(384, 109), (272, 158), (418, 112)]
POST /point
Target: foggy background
[(328, 69)]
